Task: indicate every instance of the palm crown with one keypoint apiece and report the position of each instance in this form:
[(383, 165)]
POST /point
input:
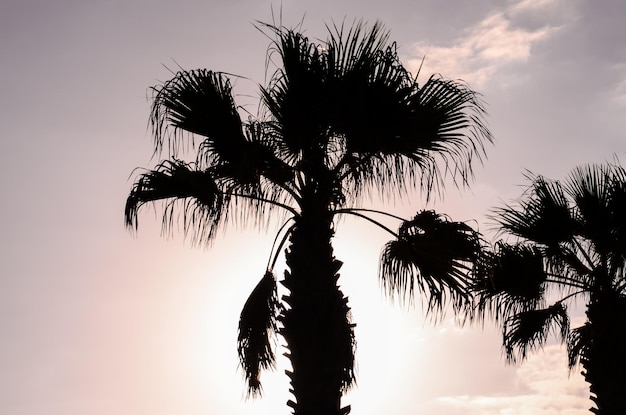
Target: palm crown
[(340, 119), (571, 245)]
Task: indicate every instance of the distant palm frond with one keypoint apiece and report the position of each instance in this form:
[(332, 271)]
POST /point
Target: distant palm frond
[(529, 330), (510, 280), (545, 216)]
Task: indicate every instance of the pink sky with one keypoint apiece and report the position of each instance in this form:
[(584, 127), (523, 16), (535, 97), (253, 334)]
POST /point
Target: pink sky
[(94, 320)]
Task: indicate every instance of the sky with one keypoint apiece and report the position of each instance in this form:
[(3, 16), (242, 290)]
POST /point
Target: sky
[(97, 320)]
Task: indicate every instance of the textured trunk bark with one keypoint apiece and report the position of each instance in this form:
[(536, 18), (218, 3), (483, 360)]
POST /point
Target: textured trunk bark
[(604, 360), (316, 324)]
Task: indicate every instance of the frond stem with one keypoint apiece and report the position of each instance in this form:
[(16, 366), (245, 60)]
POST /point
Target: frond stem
[(570, 295), (360, 215), (260, 199), (584, 253), (272, 261), (339, 166), (559, 279), (380, 212), (290, 190)]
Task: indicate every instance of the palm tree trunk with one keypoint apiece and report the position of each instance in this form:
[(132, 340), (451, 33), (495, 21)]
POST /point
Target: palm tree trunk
[(316, 324), (604, 358)]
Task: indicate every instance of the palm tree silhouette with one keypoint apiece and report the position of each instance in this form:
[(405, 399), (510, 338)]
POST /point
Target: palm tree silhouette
[(571, 247), (340, 119)]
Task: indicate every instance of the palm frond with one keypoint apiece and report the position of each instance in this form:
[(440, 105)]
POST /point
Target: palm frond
[(515, 271), (432, 255), (355, 51), (448, 120), (353, 90), (258, 325), (204, 205), (569, 263), (256, 158), (574, 236), (543, 216), (443, 132), (294, 96), (590, 188), (617, 207), (257, 178), (509, 280), (198, 102), (391, 125), (529, 330), (578, 341)]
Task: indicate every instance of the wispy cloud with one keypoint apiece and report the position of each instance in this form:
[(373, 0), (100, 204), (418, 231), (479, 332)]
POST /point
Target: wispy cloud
[(502, 38)]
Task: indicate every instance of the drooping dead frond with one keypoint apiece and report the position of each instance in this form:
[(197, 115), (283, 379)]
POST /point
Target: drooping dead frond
[(258, 325)]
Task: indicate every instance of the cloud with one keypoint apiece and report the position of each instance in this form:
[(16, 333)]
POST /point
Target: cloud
[(502, 38), (549, 390), (534, 6)]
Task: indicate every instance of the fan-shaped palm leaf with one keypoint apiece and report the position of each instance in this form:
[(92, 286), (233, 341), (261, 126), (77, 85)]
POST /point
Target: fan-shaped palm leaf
[(544, 216), (617, 207), (432, 255), (359, 95), (590, 188), (295, 94), (510, 280), (393, 126), (204, 205), (198, 102)]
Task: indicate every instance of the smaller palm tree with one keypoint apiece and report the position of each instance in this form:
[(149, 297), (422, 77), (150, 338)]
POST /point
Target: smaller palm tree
[(570, 247)]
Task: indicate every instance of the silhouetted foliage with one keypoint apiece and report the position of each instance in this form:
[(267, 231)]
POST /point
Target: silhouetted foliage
[(434, 256), (569, 247), (339, 119), (259, 323)]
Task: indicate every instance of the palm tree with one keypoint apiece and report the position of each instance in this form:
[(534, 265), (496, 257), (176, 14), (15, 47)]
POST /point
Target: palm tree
[(570, 247), (339, 119)]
